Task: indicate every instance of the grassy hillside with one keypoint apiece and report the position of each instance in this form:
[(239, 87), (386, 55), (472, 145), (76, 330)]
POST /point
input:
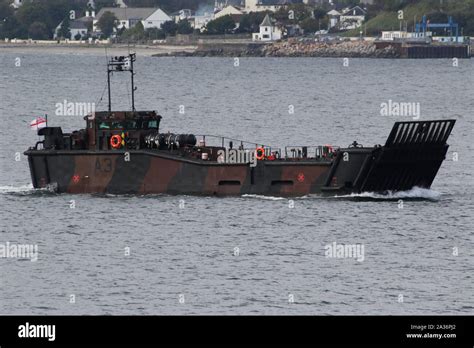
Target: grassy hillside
[(461, 10)]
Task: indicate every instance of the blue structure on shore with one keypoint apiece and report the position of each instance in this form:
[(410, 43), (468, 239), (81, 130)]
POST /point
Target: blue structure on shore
[(451, 26)]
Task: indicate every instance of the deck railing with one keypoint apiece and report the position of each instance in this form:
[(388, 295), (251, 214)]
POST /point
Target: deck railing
[(226, 142), (321, 151), (290, 152)]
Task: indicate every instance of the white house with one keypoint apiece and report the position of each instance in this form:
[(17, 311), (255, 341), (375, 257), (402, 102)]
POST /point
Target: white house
[(78, 26), (334, 17), (268, 31), (128, 17), (352, 18), (156, 19)]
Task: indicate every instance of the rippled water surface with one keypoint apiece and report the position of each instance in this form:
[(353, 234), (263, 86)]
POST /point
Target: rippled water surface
[(250, 254)]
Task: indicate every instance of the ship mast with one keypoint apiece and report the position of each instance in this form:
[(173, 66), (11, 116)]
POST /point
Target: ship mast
[(121, 63)]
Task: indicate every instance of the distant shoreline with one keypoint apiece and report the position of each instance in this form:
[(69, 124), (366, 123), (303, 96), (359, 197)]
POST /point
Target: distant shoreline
[(289, 48), (113, 49), (297, 48)]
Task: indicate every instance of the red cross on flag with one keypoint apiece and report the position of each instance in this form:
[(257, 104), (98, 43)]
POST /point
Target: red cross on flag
[(38, 123)]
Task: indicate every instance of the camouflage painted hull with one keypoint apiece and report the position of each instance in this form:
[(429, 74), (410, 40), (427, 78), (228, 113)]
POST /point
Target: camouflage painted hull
[(150, 172), (376, 169)]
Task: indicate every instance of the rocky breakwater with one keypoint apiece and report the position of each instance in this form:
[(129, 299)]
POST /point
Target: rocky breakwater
[(307, 48)]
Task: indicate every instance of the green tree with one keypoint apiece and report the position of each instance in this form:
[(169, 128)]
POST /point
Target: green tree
[(6, 11), (48, 12), (250, 22), (184, 27), (139, 31), (309, 25), (38, 31), (107, 23), (221, 25), (10, 28), (134, 34), (169, 28), (8, 23), (463, 13), (352, 3), (154, 34), (294, 13), (319, 13), (31, 12)]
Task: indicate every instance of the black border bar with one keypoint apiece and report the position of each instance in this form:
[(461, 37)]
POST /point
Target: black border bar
[(242, 330)]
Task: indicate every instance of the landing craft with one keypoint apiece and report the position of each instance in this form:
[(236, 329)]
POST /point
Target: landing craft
[(124, 152)]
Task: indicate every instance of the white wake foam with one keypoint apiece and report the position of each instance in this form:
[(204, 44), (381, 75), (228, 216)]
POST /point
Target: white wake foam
[(27, 189), (268, 198), (16, 189), (415, 192)]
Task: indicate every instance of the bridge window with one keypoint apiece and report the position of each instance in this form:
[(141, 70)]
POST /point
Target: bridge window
[(132, 125), (153, 124), (117, 125)]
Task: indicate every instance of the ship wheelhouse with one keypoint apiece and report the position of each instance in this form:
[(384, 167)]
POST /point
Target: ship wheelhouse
[(131, 126)]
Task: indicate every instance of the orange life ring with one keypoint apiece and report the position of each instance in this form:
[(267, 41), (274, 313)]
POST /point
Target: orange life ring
[(116, 141), (260, 153)]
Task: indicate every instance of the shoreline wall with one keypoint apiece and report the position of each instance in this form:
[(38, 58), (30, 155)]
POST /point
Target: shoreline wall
[(297, 48), (332, 49)]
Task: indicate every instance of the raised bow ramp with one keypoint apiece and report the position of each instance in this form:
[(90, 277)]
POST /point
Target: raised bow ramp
[(411, 156)]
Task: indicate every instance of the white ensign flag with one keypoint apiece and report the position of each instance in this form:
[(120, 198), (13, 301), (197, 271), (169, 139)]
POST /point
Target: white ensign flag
[(38, 123)]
